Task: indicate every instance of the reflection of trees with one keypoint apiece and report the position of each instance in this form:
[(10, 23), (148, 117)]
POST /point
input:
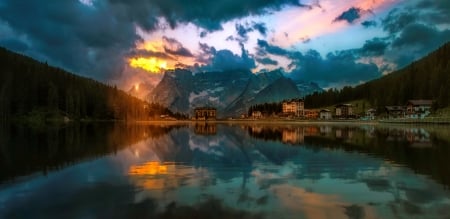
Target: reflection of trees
[(24, 150), (424, 150)]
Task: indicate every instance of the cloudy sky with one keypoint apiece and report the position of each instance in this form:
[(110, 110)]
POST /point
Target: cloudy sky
[(331, 42)]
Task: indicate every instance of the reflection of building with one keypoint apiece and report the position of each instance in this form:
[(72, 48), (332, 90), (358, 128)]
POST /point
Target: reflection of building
[(418, 108), (344, 133), (395, 111), (205, 113), (293, 135), (325, 114), (293, 107), (203, 128), (344, 111), (311, 114)]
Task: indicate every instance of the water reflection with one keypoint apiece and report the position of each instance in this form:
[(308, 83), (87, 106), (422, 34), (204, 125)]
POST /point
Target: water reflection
[(246, 171)]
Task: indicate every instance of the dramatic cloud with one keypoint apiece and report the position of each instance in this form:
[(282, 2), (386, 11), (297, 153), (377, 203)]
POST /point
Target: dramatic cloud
[(223, 60), (414, 32), (261, 28), (71, 35), (266, 61), (374, 47), (271, 49), (368, 24), (350, 15), (113, 39), (173, 47), (336, 69), (205, 13), (396, 20)]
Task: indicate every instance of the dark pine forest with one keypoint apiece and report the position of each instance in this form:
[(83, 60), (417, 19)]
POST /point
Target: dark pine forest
[(30, 89)]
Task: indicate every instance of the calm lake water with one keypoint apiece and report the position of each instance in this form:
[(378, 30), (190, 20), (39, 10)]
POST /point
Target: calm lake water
[(224, 171)]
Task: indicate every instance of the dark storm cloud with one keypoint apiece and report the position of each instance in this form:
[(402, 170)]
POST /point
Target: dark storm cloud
[(336, 69), (261, 28), (374, 47), (71, 35), (414, 31), (92, 40), (174, 47), (350, 15), (368, 24), (205, 13), (440, 10), (396, 20), (243, 30), (271, 49), (266, 61), (223, 60), (148, 53)]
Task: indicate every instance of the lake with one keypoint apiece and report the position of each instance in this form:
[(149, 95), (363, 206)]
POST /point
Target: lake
[(208, 170)]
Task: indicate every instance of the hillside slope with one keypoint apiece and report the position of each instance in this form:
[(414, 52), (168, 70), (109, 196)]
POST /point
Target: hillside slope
[(427, 78), (28, 87)]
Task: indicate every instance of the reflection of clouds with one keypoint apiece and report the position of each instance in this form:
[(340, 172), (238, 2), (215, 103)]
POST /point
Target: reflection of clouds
[(206, 144), (314, 205)]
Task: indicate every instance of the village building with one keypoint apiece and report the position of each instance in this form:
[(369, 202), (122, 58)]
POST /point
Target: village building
[(371, 113), (205, 113), (418, 108), (311, 114), (293, 107), (344, 111), (325, 114), (394, 112)]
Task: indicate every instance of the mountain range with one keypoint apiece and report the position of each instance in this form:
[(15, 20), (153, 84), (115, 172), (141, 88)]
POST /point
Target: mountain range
[(231, 92)]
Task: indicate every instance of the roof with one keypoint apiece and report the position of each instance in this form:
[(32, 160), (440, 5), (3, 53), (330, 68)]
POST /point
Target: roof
[(393, 108), (325, 110), (420, 102), (293, 100)]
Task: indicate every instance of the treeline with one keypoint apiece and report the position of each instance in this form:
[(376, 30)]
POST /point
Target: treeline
[(28, 87), (266, 108), (428, 78)]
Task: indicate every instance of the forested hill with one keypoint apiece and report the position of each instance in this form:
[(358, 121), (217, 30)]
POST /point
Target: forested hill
[(29, 88), (427, 78)]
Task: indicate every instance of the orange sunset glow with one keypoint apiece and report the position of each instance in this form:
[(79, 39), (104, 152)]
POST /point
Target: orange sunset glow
[(152, 64)]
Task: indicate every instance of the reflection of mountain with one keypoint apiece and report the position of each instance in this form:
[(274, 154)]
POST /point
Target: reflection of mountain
[(24, 150), (230, 92)]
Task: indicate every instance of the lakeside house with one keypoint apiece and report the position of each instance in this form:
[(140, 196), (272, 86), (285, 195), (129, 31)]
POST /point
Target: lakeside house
[(293, 107), (394, 112), (371, 113), (205, 113), (418, 108), (344, 111), (325, 114), (311, 114)]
